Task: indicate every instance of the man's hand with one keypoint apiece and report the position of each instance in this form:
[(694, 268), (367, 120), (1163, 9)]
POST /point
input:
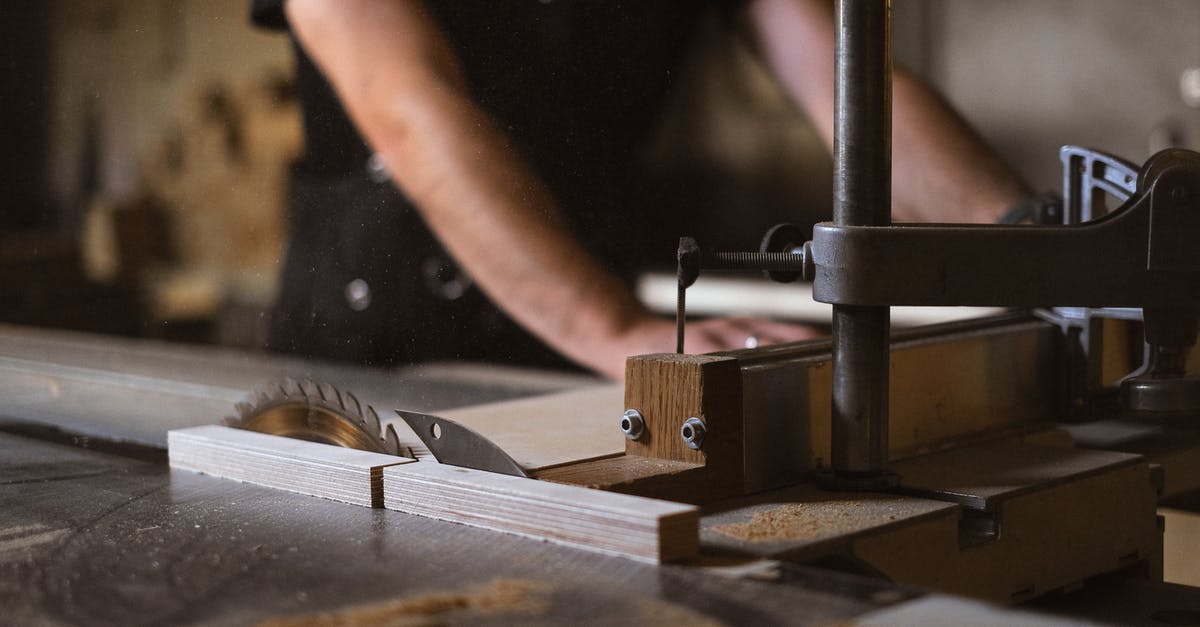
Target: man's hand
[(652, 334)]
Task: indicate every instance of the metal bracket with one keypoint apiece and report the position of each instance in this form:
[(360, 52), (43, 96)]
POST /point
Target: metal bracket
[(1138, 255)]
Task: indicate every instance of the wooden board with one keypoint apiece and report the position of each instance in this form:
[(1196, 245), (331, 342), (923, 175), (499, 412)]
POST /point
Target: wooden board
[(715, 295), (332, 472), (630, 526), (550, 430)]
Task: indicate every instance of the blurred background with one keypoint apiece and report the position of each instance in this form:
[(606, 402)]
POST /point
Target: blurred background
[(146, 144)]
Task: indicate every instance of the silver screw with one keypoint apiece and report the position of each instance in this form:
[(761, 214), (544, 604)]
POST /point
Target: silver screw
[(632, 424), (692, 432)]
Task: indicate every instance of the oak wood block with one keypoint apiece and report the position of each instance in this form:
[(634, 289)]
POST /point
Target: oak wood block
[(668, 389)]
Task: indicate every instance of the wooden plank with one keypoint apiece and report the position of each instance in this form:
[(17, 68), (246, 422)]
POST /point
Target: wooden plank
[(631, 526), (332, 472), (550, 430), (715, 295)]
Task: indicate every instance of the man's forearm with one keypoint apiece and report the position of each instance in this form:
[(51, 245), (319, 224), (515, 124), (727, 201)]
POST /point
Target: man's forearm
[(941, 169), (404, 91)]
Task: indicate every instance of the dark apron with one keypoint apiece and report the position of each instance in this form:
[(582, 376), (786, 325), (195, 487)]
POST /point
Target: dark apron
[(364, 280), (577, 85)]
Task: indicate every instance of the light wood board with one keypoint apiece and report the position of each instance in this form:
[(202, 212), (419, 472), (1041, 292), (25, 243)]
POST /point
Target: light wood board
[(714, 295), (631, 526), (332, 472), (544, 431)]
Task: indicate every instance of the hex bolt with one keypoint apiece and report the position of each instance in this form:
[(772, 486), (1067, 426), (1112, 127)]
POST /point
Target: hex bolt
[(632, 424), (692, 432)]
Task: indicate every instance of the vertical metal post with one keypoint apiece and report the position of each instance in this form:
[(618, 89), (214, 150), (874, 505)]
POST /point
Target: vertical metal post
[(862, 197)]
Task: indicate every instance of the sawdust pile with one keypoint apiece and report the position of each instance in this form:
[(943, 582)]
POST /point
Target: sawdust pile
[(496, 597), (803, 521)]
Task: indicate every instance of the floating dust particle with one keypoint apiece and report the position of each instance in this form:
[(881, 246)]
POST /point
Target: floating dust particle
[(807, 521), (496, 597)]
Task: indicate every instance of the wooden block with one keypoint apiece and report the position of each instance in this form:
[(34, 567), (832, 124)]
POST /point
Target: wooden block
[(1002, 522), (668, 389), (1181, 543), (1059, 515), (332, 472), (630, 526)]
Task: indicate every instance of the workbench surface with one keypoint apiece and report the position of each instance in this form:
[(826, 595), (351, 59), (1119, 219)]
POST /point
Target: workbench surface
[(96, 529), (91, 536)]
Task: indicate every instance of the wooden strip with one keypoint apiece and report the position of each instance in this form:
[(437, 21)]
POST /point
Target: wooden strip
[(630, 526), (716, 295), (332, 472)]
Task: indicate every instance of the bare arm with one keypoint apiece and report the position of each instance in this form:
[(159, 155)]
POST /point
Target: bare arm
[(941, 169), (403, 88)]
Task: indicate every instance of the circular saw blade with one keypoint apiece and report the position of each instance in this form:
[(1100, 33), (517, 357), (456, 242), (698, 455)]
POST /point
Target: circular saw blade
[(317, 412)]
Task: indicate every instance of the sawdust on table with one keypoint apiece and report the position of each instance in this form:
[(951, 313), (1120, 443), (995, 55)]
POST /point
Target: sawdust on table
[(654, 612), (806, 521), (499, 596)]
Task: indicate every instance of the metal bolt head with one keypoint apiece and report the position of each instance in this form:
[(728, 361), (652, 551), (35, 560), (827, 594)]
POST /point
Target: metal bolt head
[(632, 424), (692, 432)]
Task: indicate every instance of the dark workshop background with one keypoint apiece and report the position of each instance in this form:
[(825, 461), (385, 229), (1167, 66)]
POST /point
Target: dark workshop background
[(146, 143)]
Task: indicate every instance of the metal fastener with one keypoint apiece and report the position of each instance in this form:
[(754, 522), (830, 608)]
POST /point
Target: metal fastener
[(632, 424), (692, 432)]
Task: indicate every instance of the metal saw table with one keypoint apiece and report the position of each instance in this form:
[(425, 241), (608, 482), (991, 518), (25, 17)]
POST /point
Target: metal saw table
[(97, 532)]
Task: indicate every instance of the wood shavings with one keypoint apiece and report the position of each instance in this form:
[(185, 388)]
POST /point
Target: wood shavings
[(807, 521), (500, 596)]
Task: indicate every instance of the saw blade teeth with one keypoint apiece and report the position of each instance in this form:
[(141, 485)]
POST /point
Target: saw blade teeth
[(392, 443), (281, 391), (371, 420), (350, 402), (308, 389), (289, 386), (310, 409), (329, 394)]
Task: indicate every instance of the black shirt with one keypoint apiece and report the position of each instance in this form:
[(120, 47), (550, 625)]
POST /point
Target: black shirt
[(577, 85)]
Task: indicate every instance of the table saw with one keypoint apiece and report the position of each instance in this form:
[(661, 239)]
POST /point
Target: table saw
[(1035, 456), (97, 528)]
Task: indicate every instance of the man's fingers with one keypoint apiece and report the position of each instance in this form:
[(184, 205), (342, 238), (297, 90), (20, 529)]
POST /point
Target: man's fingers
[(735, 333)]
